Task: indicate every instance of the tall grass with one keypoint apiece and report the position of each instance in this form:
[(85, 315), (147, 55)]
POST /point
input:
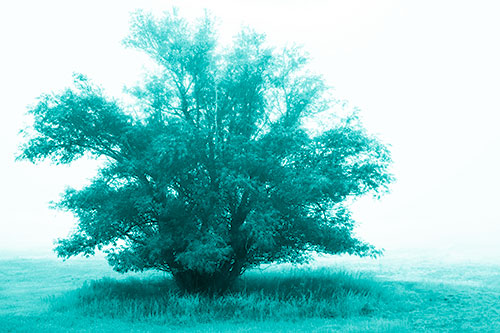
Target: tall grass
[(291, 294)]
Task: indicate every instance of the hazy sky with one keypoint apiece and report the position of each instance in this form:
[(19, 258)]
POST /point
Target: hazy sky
[(425, 74)]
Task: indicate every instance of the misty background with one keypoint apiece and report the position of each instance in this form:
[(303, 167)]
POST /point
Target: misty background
[(425, 75)]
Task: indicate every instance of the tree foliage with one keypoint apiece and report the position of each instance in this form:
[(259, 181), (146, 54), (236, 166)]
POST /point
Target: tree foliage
[(214, 172)]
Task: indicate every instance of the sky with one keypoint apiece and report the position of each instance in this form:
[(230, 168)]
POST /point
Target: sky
[(424, 74)]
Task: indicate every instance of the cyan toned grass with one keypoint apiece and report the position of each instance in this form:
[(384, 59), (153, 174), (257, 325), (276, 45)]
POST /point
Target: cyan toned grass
[(259, 296), (59, 323), (390, 296)]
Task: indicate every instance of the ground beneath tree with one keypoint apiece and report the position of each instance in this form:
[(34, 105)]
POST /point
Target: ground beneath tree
[(429, 295)]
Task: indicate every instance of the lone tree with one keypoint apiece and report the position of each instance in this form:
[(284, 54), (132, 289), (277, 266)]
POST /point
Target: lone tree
[(213, 170)]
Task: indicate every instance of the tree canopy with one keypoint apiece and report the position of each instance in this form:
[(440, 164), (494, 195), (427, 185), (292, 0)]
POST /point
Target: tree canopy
[(212, 171)]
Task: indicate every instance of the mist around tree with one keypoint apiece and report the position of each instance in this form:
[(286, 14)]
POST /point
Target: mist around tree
[(213, 169)]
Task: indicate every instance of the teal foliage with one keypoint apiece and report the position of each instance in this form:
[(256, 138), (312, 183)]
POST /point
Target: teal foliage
[(214, 172)]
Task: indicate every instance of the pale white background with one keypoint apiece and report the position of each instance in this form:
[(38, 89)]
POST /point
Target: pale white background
[(424, 73)]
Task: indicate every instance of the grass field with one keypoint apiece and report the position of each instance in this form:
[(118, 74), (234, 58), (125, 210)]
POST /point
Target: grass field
[(338, 294)]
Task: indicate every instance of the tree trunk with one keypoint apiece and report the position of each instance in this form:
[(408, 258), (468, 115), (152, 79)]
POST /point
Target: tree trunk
[(215, 283)]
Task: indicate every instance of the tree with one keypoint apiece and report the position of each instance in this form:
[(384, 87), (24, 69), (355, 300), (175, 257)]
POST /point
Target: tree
[(212, 171)]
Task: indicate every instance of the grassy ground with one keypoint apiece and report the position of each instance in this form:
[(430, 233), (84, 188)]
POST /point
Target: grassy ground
[(347, 295)]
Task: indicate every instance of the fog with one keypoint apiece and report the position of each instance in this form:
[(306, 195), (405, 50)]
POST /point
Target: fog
[(425, 76)]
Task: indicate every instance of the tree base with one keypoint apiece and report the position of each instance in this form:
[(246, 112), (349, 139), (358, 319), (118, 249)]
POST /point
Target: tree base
[(195, 282)]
